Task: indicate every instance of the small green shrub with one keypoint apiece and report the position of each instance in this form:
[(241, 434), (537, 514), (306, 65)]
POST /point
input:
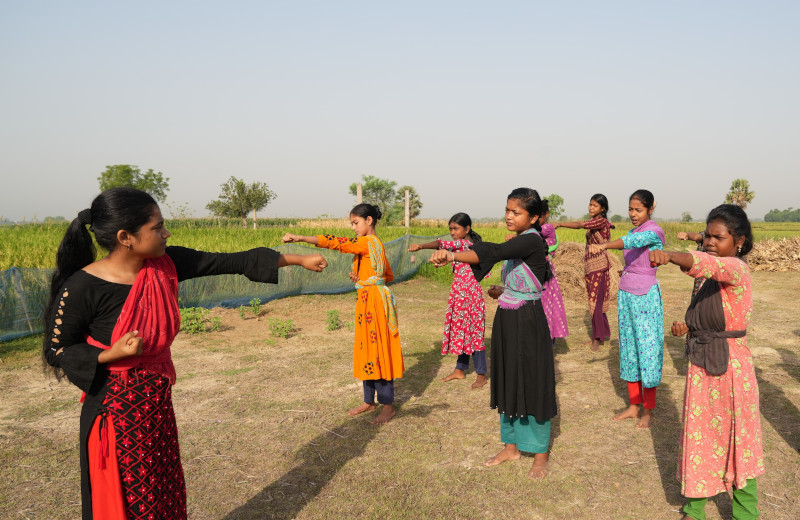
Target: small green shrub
[(281, 328), (242, 311), (255, 306), (195, 320), (334, 323)]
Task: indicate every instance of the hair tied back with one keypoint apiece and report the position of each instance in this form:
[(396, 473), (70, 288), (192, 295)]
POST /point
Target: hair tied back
[(85, 217)]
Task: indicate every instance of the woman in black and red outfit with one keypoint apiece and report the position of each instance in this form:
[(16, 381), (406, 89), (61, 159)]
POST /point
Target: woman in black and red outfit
[(109, 326)]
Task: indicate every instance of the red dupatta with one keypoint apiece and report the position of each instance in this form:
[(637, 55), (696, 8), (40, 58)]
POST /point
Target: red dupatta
[(152, 309)]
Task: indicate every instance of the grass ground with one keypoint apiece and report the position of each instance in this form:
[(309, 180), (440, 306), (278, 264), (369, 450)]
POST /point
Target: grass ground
[(264, 433)]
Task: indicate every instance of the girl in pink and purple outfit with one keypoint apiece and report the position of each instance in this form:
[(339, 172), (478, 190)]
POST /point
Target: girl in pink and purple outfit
[(465, 319), (552, 301)]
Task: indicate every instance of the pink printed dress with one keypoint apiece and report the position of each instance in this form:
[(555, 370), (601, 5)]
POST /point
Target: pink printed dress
[(465, 320), (552, 301), (721, 421)]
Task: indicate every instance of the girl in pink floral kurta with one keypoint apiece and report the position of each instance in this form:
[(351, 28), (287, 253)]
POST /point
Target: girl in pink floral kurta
[(721, 440), (465, 319)]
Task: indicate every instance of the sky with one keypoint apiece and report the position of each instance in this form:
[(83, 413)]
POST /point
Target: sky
[(463, 100)]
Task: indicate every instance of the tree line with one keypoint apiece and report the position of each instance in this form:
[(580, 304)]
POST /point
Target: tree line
[(238, 199)]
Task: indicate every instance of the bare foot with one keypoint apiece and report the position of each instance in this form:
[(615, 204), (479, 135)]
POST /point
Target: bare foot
[(540, 464), (385, 415), (479, 381), (363, 407), (631, 412), (645, 419), (456, 374), (596, 343), (510, 452)]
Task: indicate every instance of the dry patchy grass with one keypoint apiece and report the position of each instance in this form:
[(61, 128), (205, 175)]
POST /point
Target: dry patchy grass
[(264, 433)]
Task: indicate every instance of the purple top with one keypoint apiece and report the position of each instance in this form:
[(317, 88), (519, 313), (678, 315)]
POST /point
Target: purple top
[(639, 275)]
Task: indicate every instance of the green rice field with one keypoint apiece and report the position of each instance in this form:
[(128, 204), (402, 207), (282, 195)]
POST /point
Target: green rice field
[(35, 245)]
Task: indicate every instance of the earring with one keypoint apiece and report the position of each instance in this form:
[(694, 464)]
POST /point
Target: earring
[(130, 247), (739, 251)]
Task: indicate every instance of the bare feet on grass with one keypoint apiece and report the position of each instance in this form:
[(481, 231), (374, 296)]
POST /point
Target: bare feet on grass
[(645, 419), (385, 415), (595, 345), (540, 465), (479, 381), (631, 412), (363, 407), (510, 452), (455, 374)]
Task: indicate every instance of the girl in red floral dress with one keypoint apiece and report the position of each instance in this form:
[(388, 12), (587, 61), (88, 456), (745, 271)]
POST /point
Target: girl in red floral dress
[(465, 319)]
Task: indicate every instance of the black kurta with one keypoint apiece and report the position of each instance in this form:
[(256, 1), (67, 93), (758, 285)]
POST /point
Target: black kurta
[(522, 365), (92, 308)]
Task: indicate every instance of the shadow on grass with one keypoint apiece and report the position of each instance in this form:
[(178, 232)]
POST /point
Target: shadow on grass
[(779, 410), (665, 429), (326, 454)]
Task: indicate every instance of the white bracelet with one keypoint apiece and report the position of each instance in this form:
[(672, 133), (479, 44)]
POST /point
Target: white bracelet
[(452, 257)]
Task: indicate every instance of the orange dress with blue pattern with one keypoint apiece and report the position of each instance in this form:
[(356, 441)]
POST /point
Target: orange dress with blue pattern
[(376, 347)]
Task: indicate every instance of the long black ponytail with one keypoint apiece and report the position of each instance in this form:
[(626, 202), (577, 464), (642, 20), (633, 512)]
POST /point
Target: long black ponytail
[(113, 210)]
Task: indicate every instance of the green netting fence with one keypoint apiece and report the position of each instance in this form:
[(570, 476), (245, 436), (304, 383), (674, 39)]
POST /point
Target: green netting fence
[(25, 291)]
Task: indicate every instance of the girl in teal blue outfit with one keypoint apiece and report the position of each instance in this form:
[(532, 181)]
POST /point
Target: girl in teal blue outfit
[(641, 311)]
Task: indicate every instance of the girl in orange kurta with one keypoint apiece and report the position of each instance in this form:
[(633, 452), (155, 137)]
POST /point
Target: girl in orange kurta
[(377, 357)]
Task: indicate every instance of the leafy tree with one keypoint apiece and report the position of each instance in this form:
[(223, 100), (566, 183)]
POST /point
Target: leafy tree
[(130, 176), (414, 204), (615, 218), (739, 193), (238, 198), (787, 215), (556, 204), (686, 217), (380, 192)]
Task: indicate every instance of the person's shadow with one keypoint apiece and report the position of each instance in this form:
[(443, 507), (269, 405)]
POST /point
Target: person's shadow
[(322, 457), (666, 427)]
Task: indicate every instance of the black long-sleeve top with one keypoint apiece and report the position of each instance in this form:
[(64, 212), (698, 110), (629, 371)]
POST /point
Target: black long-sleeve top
[(530, 248), (91, 306)]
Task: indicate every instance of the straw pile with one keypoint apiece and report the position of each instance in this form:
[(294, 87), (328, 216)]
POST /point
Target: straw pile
[(568, 260), (774, 255)]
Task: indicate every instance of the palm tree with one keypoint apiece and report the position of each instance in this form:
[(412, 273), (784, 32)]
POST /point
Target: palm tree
[(740, 193)]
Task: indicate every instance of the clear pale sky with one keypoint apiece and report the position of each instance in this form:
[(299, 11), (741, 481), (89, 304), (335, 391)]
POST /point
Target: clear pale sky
[(464, 100)]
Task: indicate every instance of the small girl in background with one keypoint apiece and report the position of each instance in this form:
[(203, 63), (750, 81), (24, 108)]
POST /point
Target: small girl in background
[(465, 319), (596, 266), (377, 357), (641, 311), (552, 300)]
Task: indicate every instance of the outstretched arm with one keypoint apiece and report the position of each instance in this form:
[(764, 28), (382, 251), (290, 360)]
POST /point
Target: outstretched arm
[(682, 260), (570, 225), (427, 245), (614, 244), (314, 262), (290, 238), (443, 257)]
